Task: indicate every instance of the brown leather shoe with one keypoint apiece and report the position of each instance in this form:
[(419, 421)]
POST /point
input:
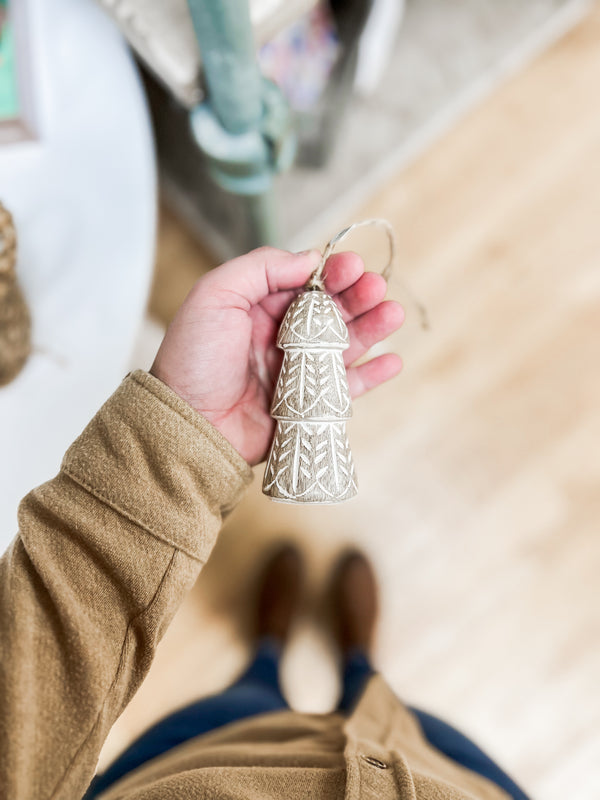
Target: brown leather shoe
[(354, 602), (279, 593)]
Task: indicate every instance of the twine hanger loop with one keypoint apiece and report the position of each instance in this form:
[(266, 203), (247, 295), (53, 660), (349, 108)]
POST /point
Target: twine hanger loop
[(317, 279)]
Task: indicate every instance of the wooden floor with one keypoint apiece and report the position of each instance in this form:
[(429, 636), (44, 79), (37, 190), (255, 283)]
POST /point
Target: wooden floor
[(479, 467)]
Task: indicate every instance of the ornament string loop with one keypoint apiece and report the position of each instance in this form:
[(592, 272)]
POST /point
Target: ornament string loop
[(317, 279)]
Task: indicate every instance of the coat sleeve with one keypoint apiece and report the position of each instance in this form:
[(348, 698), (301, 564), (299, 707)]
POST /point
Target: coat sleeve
[(105, 553)]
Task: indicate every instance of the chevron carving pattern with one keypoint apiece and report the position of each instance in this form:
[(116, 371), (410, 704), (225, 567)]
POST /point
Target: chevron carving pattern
[(312, 385), (310, 459), (310, 462), (313, 320)]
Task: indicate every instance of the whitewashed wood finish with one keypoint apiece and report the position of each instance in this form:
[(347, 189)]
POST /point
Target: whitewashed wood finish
[(310, 462), (313, 320), (312, 385), (310, 459)]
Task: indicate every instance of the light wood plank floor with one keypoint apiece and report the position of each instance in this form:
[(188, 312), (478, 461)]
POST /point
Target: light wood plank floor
[(479, 467)]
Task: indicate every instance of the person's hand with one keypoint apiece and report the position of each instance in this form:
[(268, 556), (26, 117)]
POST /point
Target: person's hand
[(219, 353)]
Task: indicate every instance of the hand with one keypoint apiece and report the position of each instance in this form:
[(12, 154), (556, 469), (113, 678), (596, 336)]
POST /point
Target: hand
[(219, 352)]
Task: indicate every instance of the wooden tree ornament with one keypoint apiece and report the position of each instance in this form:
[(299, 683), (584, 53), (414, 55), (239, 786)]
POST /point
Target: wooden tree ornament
[(310, 459)]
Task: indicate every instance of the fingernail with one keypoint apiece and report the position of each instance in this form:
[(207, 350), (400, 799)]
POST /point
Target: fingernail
[(311, 251)]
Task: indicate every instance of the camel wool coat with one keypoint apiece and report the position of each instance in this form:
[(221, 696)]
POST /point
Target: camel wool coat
[(105, 553)]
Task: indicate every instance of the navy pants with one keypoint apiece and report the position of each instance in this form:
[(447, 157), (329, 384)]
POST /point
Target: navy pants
[(258, 692)]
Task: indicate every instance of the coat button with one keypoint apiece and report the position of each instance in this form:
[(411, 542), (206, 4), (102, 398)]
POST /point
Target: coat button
[(375, 762)]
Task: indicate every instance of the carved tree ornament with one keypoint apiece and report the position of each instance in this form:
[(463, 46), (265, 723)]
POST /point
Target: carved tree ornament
[(310, 459)]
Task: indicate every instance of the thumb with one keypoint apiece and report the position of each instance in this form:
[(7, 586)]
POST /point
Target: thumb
[(262, 272)]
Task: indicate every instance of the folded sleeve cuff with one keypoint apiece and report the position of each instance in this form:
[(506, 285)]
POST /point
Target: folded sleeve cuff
[(154, 459)]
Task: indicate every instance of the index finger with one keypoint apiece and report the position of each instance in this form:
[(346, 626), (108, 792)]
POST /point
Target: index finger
[(342, 270)]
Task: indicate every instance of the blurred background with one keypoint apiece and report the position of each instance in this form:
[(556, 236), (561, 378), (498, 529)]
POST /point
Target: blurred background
[(133, 158)]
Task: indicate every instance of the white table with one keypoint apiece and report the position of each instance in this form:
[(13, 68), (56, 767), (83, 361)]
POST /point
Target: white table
[(84, 200)]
